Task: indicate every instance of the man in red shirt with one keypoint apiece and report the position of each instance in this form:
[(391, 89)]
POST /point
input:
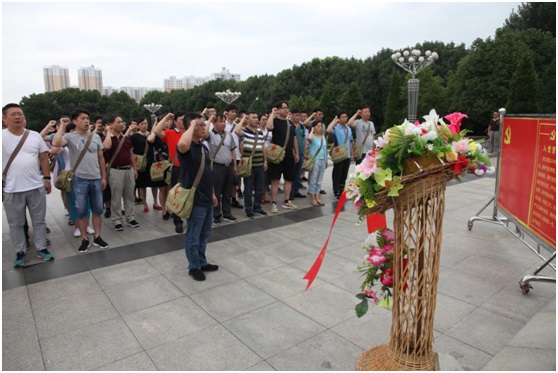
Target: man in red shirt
[(171, 137)]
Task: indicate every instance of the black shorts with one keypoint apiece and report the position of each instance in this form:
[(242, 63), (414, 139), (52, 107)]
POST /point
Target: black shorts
[(287, 168)]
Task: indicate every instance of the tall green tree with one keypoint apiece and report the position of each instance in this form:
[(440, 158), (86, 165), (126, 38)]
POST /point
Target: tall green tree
[(352, 99), (394, 113), (535, 15), (523, 88), (328, 103)]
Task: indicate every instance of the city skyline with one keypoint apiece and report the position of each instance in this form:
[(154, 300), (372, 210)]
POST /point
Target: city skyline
[(155, 40), (57, 77)]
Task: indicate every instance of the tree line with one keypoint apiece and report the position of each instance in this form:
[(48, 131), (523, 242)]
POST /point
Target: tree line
[(516, 69)]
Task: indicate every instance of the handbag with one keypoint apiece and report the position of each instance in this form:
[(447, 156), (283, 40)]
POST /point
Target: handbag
[(157, 170), (309, 160), (168, 172), (141, 160), (12, 157), (245, 166), (64, 180), (358, 149), (109, 165), (340, 152), (276, 153), (180, 201)]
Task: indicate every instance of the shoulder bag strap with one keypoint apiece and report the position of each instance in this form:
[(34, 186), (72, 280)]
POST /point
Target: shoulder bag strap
[(16, 150), (146, 146), (367, 134), (83, 151), (220, 144), (200, 170), (346, 135), (120, 143), (255, 142), (288, 133)]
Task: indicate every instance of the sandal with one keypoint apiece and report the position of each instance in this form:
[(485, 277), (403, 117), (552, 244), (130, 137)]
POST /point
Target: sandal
[(315, 204), (146, 209), (321, 203), (157, 207)]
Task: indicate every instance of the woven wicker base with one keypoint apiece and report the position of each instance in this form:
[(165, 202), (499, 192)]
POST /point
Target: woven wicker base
[(380, 358)]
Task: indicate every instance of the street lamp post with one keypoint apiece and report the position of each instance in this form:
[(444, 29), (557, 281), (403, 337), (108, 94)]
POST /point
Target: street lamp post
[(152, 109), (228, 97), (413, 63)]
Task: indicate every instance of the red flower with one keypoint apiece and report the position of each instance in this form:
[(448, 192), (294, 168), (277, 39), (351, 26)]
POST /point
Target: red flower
[(461, 163)]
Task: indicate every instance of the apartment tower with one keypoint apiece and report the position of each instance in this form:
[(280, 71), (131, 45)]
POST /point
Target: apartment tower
[(56, 78)]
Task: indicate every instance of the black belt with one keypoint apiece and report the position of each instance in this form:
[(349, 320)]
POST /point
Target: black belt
[(221, 164), (123, 167)]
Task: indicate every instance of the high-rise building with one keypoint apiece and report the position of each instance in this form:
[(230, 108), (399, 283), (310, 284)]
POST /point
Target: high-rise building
[(90, 78), (56, 78), (172, 83), (225, 74)]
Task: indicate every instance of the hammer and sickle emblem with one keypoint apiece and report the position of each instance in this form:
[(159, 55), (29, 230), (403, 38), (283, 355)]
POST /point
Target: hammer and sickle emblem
[(507, 138)]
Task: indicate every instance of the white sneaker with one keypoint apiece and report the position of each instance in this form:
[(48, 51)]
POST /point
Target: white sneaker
[(77, 233), (90, 230)]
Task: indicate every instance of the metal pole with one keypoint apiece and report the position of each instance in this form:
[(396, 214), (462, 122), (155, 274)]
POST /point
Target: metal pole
[(413, 86)]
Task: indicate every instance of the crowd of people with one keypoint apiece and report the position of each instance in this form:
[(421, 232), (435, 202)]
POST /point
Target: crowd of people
[(113, 164)]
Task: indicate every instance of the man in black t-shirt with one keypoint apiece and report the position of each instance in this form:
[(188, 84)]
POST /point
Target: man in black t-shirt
[(198, 225), (278, 123)]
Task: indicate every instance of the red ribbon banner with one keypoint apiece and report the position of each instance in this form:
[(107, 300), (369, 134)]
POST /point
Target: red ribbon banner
[(373, 222)]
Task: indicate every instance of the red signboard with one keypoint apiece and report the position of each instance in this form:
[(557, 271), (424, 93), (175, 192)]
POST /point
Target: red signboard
[(527, 174)]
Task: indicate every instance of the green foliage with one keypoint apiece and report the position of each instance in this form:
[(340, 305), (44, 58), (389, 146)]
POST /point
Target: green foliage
[(351, 100), (537, 15), (393, 113), (523, 89)]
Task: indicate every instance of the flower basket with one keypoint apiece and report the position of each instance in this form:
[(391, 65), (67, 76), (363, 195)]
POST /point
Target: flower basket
[(419, 211)]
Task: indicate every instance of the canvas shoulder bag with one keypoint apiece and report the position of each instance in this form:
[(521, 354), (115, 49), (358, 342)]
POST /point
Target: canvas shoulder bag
[(64, 180), (276, 153), (141, 160), (245, 166), (309, 160), (109, 165), (12, 157), (180, 201), (340, 152)]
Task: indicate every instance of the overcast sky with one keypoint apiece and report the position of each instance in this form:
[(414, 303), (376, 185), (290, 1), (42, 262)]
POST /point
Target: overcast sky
[(140, 44)]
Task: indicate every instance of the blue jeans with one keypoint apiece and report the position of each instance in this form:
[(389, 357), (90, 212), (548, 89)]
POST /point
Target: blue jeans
[(297, 182), (316, 177), (85, 191), (255, 180), (198, 227)]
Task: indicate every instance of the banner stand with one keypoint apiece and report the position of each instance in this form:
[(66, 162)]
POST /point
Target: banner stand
[(520, 227)]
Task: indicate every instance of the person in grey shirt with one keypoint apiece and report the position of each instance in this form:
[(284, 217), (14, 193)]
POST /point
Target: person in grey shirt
[(223, 167), (90, 179), (364, 129)]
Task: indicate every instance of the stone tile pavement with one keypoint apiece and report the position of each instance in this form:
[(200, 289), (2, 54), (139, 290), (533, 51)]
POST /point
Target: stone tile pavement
[(254, 314)]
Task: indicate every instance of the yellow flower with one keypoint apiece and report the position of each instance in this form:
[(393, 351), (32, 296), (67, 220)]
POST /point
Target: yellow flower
[(370, 203), (473, 145), (451, 156)]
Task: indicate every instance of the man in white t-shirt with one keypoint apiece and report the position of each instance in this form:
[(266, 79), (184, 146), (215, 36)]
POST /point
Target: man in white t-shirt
[(364, 129), (23, 187)]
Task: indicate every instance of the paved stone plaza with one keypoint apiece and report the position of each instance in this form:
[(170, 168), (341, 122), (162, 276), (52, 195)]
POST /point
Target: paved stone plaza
[(134, 307)]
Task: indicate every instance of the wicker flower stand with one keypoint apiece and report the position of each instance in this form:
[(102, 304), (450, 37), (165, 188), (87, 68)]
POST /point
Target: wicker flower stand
[(419, 211)]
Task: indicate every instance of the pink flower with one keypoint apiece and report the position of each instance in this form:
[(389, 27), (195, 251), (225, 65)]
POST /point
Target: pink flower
[(368, 165), (371, 294), (386, 279), (388, 234), (376, 257), (387, 248), (455, 121), (461, 146)]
